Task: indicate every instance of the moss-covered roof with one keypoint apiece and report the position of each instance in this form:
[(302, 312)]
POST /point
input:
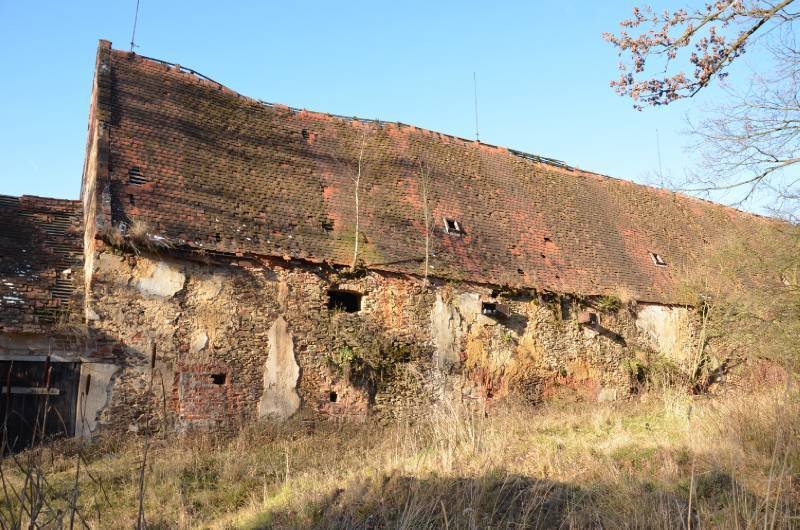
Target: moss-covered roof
[(209, 168)]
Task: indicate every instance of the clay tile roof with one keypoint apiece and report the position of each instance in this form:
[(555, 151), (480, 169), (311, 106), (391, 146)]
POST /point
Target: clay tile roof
[(209, 168), (41, 263)]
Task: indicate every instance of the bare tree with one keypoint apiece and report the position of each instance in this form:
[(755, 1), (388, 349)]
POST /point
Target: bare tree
[(746, 288), (425, 180), (352, 158), (752, 141), (356, 178), (748, 143)]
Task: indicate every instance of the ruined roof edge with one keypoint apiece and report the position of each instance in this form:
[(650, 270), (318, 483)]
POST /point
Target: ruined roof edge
[(5, 199)]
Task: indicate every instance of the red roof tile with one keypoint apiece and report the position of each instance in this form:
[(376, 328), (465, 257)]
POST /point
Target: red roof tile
[(209, 168), (41, 257)]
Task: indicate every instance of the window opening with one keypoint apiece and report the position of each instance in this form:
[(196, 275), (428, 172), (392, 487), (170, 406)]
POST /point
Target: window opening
[(489, 309), (588, 318), (658, 260), (452, 226), (566, 308), (347, 301)]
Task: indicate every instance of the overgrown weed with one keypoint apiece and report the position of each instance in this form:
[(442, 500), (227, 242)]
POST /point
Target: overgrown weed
[(663, 460)]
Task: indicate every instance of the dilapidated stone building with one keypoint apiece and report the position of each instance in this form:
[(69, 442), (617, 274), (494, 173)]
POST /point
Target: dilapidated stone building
[(206, 276)]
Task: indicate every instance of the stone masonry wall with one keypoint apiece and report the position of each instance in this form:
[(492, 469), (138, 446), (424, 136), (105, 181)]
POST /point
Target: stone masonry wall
[(214, 343)]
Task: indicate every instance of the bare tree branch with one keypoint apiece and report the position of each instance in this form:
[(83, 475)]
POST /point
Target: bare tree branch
[(752, 141), (707, 39)]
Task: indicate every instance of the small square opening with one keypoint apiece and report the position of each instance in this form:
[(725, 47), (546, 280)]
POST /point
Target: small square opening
[(489, 309), (333, 396), (218, 379), (658, 259), (341, 300)]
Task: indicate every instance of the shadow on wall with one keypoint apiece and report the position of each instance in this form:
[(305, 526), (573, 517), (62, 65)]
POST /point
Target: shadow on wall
[(496, 500), (376, 353)]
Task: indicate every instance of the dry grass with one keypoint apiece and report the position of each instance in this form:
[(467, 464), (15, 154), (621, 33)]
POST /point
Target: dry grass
[(137, 236), (639, 464)]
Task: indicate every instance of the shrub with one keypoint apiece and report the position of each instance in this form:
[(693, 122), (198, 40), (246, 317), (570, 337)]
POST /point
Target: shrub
[(608, 303)]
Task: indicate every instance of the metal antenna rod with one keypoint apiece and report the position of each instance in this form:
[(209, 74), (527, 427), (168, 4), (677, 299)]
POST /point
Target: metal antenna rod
[(135, 20), (475, 86), (660, 171)]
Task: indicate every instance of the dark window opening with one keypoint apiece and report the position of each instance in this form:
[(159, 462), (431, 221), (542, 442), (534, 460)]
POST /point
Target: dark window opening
[(332, 396), (347, 301), (489, 309), (451, 226), (658, 260), (588, 318), (305, 134), (131, 200), (327, 225), (218, 379), (566, 308), (135, 176)]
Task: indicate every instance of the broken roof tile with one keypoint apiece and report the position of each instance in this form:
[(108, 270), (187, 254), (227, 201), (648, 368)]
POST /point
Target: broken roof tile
[(41, 263)]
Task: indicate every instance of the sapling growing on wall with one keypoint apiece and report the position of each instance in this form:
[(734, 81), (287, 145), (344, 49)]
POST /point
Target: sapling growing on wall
[(356, 178), (425, 180), (355, 166)]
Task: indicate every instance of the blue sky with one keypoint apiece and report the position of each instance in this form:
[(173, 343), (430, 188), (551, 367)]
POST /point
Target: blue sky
[(543, 73)]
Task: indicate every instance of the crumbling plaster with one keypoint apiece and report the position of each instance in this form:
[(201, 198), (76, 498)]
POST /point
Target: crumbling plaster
[(158, 278), (669, 329), (99, 377), (266, 325), (281, 371)]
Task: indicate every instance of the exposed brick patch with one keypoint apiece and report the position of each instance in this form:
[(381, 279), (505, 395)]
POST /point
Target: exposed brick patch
[(204, 395)]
